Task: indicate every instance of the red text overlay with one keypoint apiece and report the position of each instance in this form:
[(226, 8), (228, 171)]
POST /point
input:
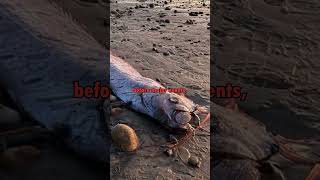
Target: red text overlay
[(158, 90), (228, 91), (95, 91)]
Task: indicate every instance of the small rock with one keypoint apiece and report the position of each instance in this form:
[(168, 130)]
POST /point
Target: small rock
[(167, 8), (162, 15), (151, 5), (165, 2), (168, 152), (193, 13), (166, 54), (175, 11), (116, 111), (189, 21), (155, 50), (194, 161), (167, 21), (125, 137), (148, 19)]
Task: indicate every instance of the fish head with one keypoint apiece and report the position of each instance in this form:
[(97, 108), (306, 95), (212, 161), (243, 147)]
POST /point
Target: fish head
[(178, 110)]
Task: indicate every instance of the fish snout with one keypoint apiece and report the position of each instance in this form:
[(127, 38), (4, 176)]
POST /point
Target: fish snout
[(182, 119)]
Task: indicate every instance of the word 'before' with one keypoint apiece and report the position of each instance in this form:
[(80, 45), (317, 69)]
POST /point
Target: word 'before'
[(96, 91)]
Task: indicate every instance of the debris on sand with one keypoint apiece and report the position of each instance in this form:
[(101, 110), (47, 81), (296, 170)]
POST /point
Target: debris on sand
[(190, 21), (125, 137), (193, 13)]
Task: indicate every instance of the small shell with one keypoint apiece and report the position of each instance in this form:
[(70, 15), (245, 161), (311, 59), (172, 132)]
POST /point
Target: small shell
[(125, 137), (184, 154), (194, 161)]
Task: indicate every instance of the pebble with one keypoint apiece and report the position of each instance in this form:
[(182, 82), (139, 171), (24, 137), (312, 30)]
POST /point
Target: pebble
[(155, 50), (124, 137), (9, 116), (167, 21), (194, 161), (166, 54), (184, 154), (193, 13), (167, 8), (189, 21), (116, 111), (168, 152)]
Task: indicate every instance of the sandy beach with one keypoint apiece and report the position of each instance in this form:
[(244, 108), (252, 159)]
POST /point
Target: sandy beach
[(156, 40), (271, 49), (163, 42)]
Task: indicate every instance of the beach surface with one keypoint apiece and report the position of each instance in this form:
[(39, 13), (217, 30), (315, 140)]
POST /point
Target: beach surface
[(163, 42)]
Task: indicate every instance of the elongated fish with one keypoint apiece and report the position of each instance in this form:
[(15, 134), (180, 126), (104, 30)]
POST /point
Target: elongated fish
[(42, 51), (170, 109)]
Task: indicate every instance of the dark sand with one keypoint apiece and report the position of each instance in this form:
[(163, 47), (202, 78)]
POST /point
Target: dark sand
[(54, 161), (271, 49)]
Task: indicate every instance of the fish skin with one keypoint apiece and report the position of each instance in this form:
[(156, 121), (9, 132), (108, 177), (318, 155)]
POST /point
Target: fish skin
[(42, 51), (160, 106)]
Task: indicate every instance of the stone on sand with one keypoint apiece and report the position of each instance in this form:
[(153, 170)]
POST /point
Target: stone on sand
[(125, 137)]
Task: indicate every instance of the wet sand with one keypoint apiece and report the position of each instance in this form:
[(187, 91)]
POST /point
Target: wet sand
[(271, 49), (163, 42), (49, 157), (159, 54)]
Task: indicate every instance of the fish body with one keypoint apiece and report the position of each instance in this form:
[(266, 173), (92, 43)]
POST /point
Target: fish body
[(170, 109)]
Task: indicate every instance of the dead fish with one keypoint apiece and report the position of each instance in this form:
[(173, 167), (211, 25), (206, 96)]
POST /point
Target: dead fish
[(172, 110)]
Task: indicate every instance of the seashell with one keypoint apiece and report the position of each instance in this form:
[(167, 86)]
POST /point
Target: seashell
[(125, 137), (194, 161), (184, 154)]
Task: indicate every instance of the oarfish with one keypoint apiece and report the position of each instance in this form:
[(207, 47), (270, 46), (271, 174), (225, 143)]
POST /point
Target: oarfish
[(170, 109)]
